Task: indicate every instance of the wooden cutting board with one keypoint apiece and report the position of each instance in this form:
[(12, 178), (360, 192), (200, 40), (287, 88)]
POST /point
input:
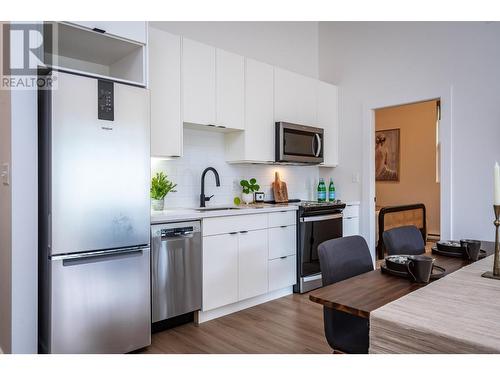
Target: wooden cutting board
[(280, 190)]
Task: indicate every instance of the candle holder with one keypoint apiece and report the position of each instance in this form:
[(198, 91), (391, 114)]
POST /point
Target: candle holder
[(496, 262)]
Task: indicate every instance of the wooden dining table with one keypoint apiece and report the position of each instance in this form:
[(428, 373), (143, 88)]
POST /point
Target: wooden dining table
[(362, 294)]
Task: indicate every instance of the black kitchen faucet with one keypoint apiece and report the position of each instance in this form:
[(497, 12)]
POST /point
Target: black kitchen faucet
[(204, 199)]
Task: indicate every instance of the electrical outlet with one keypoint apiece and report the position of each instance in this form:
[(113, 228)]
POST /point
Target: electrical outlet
[(5, 174)]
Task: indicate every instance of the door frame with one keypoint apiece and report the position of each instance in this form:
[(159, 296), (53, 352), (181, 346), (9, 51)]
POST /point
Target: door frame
[(445, 95)]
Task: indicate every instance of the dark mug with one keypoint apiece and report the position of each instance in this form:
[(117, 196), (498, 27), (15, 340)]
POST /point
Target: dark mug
[(420, 267), (472, 248)]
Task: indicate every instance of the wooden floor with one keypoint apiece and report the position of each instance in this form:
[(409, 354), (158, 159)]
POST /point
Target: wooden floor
[(288, 325)]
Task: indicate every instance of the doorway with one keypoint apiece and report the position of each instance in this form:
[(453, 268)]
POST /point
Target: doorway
[(407, 169)]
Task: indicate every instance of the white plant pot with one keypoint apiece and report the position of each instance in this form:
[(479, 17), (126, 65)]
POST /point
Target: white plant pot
[(247, 198), (158, 204)]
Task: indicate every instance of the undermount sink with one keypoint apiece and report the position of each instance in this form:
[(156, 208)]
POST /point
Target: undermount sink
[(216, 209)]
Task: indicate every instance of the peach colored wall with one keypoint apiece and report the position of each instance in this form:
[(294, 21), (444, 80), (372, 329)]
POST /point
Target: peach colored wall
[(417, 179)]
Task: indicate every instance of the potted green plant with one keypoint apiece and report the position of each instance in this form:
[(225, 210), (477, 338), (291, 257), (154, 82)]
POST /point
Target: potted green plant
[(249, 187), (160, 187)]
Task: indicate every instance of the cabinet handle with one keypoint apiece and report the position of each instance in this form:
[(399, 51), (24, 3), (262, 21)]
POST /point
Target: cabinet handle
[(232, 233), (221, 126), (283, 226), (97, 30), (284, 257), (244, 231)]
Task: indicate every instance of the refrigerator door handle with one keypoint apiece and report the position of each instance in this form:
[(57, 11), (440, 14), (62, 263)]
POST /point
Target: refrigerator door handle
[(66, 258)]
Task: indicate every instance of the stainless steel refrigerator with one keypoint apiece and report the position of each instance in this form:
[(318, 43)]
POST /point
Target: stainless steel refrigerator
[(94, 216)]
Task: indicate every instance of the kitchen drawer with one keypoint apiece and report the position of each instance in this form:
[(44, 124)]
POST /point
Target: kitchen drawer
[(282, 241), (351, 211), (231, 224), (277, 219), (282, 272)]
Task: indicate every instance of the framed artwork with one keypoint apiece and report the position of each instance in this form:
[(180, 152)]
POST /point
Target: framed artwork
[(387, 155)]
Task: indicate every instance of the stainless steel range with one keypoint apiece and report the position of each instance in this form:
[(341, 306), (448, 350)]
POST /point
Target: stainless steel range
[(316, 222)]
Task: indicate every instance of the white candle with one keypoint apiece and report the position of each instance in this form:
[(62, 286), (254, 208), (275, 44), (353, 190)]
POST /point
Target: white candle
[(496, 177)]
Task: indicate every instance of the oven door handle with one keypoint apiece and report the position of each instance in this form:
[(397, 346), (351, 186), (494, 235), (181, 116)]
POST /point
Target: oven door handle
[(320, 218)]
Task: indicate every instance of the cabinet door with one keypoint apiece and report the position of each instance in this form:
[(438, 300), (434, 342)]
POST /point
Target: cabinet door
[(165, 91), (350, 226), (259, 111), (230, 86), (198, 82), (295, 98), (282, 272), (220, 270), (282, 241), (133, 30), (252, 264), (328, 119)]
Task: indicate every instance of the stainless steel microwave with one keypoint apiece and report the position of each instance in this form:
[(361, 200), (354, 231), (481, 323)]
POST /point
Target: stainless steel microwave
[(298, 144)]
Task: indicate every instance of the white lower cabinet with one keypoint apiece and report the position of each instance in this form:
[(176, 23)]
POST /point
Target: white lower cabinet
[(282, 272), (249, 260), (220, 270), (350, 226), (282, 241), (252, 263), (350, 222)]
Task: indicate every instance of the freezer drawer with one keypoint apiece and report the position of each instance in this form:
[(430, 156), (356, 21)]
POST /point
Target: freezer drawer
[(101, 302)]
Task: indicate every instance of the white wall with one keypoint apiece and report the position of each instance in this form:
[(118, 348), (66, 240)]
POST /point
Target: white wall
[(290, 45), (373, 62), (206, 149), (18, 305), (5, 220)]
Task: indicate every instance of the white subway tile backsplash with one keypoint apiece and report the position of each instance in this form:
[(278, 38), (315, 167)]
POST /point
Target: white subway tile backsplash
[(204, 149)]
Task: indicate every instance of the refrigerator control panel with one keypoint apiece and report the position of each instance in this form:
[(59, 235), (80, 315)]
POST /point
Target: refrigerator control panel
[(105, 100)]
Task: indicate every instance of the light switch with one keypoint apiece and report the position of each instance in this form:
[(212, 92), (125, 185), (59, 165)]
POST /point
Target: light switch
[(5, 174)]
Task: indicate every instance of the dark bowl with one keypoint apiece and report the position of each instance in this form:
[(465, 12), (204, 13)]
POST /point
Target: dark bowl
[(397, 262), (450, 247)]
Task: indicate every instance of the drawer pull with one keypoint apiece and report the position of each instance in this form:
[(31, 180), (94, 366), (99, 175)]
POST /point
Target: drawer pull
[(243, 231), (283, 226), (283, 257), (232, 233)]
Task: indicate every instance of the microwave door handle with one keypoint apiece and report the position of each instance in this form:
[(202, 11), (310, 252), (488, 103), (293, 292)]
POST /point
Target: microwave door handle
[(318, 138)]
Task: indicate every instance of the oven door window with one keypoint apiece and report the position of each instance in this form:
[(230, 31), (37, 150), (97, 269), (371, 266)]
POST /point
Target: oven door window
[(312, 234)]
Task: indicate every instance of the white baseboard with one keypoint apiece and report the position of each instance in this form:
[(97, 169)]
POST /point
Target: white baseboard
[(205, 316)]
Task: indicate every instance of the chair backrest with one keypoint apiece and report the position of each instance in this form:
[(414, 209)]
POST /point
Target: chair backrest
[(342, 258), (404, 240)]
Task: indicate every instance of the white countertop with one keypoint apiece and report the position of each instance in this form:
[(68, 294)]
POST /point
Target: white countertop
[(184, 214)]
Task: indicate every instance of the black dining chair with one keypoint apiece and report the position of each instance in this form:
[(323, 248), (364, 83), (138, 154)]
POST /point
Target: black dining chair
[(405, 240), (340, 259)]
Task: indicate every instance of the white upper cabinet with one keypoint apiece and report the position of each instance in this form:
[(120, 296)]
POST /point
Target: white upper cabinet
[(132, 30), (165, 93), (295, 98), (198, 82), (256, 144), (328, 119), (230, 89)]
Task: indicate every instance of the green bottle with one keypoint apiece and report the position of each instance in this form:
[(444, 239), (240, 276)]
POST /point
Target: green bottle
[(321, 191), (331, 191)]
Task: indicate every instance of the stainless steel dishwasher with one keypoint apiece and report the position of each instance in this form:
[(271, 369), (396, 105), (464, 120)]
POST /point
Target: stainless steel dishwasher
[(175, 269)]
